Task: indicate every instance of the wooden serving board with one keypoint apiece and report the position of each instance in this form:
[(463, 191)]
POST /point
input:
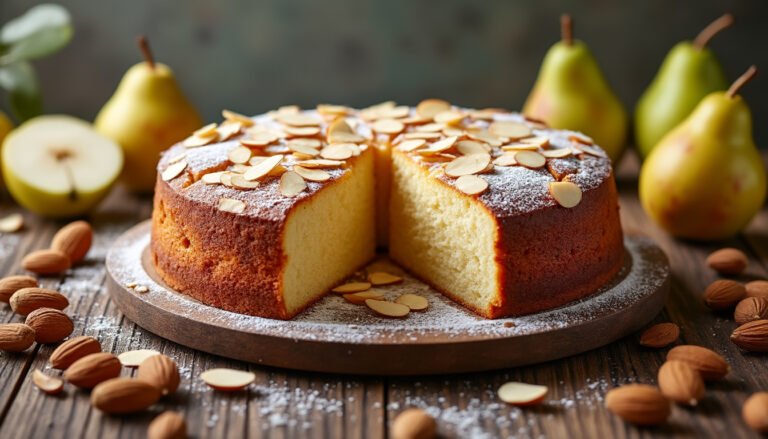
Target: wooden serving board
[(340, 337)]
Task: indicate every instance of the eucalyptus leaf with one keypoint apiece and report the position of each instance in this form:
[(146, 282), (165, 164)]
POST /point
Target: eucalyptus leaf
[(20, 81), (42, 30)]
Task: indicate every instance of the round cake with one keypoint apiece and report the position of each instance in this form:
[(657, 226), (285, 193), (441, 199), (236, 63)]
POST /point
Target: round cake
[(264, 215)]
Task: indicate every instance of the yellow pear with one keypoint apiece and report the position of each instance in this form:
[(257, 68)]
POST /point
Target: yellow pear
[(147, 114), (5, 127), (705, 179)]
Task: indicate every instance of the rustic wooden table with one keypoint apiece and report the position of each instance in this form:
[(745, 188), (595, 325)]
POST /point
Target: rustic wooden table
[(295, 404)]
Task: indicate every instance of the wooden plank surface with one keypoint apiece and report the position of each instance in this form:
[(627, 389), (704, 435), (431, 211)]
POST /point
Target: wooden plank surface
[(285, 404)]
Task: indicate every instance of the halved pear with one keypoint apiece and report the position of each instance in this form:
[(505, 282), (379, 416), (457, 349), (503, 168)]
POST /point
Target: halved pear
[(59, 166)]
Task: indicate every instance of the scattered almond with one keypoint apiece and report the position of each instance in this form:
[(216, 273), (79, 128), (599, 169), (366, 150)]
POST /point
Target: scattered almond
[(237, 117), (292, 184), (512, 130), (756, 288), (167, 425), (565, 193), (429, 108), (124, 395), (174, 170), (530, 159), (414, 423), (387, 309), (660, 335), (557, 153), (413, 301), (724, 294), (311, 174), (74, 240), (16, 337), (360, 298), (50, 325), (206, 131), (711, 365), (46, 383), (471, 184), (750, 309), (92, 369), (46, 262), (11, 284), (227, 379), (388, 126), (73, 350), (729, 261), (239, 154), (352, 287), (467, 165), (752, 336), (522, 394), (680, 382), (755, 412), (11, 223), (639, 404), (337, 151), (379, 278), (136, 357), (26, 300), (160, 371), (231, 205), (263, 168)]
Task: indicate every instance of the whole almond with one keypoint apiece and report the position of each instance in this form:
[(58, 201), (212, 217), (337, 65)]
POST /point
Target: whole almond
[(710, 364), (50, 325), (92, 369), (639, 404), (756, 288), (751, 308), (680, 382), (724, 294), (73, 350), (168, 425), (16, 337), (124, 395), (160, 371), (74, 240), (752, 336), (26, 300), (11, 284), (727, 261), (414, 423), (660, 335), (755, 411), (46, 262)]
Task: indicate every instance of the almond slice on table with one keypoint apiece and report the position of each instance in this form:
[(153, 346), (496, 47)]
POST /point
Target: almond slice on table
[(292, 184), (429, 108), (46, 262), (174, 170), (530, 159), (388, 126), (468, 165), (338, 151), (388, 309), (352, 287), (380, 278), (263, 168), (711, 365), (413, 301), (512, 130), (136, 357), (240, 154), (660, 335), (471, 184), (565, 193), (46, 383), (312, 174), (522, 394), (11, 223), (231, 205), (227, 379), (237, 117), (72, 350), (74, 240), (360, 298)]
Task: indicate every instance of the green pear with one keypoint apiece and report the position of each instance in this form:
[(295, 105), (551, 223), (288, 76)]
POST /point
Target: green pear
[(147, 114), (571, 93), (688, 74), (705, 179)]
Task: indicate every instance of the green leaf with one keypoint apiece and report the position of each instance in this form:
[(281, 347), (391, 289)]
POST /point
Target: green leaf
[(20, 81), (41, 31)]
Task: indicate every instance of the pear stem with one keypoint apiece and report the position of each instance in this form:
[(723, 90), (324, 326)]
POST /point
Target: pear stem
[(741, 80), (702, 39), (146, 51), (566, 29)]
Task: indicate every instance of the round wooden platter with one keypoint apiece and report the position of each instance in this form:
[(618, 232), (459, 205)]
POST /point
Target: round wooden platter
[(336, 336)]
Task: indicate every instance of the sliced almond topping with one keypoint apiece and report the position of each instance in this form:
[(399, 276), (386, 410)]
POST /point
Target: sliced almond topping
[(302, 148), (239, 168), (387, 309), (429, 108), (46, 383), (237, 117), (302, 131), (312, 174), (467, 165), (450, 117), (304, 142), (388, 126), (374, 111), (430, 128), (241, 154), (11, 223), (507, 159), (352, 287), (227, 379), (360, 298), (134, 358), (178, 158), (196, 141), (565, 193), (522, 394), (413, 301), (333, 110), (212, 178), (382, 278), (338, 151), (240, 182), (541, 141), (557, 153), (520, 147), (395, 112), (510, 129), (581, 138), (259, 139), (592, 151), (411, 145), (416, 120), (291, 184), (298, 119), (226, 179), (262, 169), (229, 129), (206, 131), (468, 147), (439, 146), (420, 135), (343, 137), (288, 109), (471, 184), (530, 159), (320, 163), (174, 170), (486, 138), (453, 131), (231, 205)]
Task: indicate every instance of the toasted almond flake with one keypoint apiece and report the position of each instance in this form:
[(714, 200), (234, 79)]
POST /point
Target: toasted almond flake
[(302, 131), (582, 139), (449, 117), (196, 141), (342, 137), (263, 168), (338, 151), (239, 168), (482, 115), (510, 129), (413, 301), (240, 155), (388, 126), (411, 144), (312, 174), (302, 149), (288, 109), (565, 193), (592, 151), (453, 131), (292, 184), (374, 110), (237, 117), (439, 146), (320, 163), (430, 128), (141, 289), (240, 182), (304, 142), (229, 129), (468, 164), (394, 112), (468, 147), (471, 184), (420, 135), (530, 159), (352, 287), (379, 278), (486, 138), (298, 119), (178, 158), (227, 379), (231, 205), (206, 131), (360, 298), (429, 108), (131, 285), (332, 110), (520, 147), (46, 383), (387, 309), (437, 158), (556, 153), (540, 141), (226, 179), (134, 358), (416, 120), (11, 223), (507, 159), (259, 139), (174, 170), (522, 394)]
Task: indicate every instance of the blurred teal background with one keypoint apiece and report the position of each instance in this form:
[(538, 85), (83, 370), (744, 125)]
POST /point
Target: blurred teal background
[(251, 56)]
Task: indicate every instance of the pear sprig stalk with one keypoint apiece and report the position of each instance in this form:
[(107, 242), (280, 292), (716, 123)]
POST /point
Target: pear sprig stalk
[(741, 80), (566, 29), (714, 28), (143, 43)]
